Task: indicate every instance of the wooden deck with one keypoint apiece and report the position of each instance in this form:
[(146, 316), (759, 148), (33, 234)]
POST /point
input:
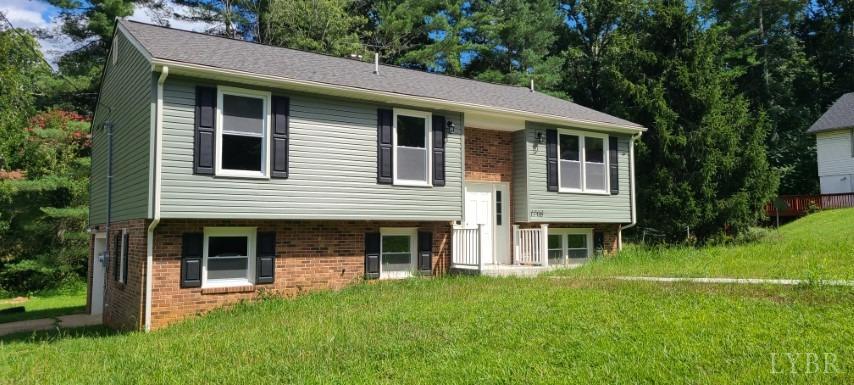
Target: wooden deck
[(799, 205)]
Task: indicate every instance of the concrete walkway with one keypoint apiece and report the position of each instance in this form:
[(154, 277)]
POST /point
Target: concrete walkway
[(753, 281), (65, 321)]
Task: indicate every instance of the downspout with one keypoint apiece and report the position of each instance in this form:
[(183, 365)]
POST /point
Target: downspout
[(158, 142), (634, 218)]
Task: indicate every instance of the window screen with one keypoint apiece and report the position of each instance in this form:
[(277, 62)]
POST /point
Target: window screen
[(242, 132), (570, 164), (396, 253), (228, 258), (412, 152)]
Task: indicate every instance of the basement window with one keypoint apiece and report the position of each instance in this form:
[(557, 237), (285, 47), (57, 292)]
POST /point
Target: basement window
[(242, 131), (411, 147), (229, 257), (397, 252), (569, 245)]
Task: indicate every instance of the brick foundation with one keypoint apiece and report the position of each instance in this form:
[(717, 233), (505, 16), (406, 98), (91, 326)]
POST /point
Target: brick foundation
[(123, 302), (310, 255)]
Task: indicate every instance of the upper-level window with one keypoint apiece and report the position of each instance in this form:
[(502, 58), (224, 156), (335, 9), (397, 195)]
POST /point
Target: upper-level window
[(582, 166), (411, 147), (242, 126)]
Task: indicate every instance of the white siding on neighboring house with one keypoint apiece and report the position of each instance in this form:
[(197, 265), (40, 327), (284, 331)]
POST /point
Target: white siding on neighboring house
[(835, 154)]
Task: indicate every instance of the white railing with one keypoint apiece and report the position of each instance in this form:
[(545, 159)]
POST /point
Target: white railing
[(530, 246), (466, 247)]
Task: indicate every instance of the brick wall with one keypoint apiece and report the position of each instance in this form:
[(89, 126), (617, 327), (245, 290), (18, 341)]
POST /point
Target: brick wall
[(489, 155), (123, 302), (310, 255)]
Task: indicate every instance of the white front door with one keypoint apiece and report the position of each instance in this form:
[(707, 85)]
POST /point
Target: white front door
[(99, 270), (479, 213)]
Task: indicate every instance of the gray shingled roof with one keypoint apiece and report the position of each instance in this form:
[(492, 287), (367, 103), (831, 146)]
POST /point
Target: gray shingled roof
[(200, 49), (839, 116)]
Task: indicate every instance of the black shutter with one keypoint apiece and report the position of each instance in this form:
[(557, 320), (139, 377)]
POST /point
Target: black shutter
[(281, 127), (265, 266), (551, 160), (613, 165), (425, 252), (372, 255), (384, 143), (125, 256), (598, 242), (438, 150), (117, 254), (203, 145), (191, 259)]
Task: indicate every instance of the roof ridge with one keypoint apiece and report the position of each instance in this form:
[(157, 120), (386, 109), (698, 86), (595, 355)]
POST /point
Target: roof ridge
[(394, 66)]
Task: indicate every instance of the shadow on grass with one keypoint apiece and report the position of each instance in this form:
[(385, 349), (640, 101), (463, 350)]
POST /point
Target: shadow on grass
[(56, 335), (42, 313)]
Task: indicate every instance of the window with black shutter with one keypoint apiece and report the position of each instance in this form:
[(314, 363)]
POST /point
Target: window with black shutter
[(265, 265)]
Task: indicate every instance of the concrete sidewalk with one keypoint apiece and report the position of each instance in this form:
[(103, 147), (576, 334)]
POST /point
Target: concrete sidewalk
[(751, 281), (65, 321)]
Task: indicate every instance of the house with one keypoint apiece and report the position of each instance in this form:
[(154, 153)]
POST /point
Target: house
[(224, 168), (834, 136)]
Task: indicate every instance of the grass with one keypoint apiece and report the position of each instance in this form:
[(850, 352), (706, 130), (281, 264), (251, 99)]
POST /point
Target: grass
[(469, 330), (819, 246), (69, 299)]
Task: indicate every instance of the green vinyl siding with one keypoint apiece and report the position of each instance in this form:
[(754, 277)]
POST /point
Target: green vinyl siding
[(520, 176), (332, 170), (126, 101), (565, 207)]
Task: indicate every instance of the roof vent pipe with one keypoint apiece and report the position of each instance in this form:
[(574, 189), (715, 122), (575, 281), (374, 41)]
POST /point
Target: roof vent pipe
[(376, 63)]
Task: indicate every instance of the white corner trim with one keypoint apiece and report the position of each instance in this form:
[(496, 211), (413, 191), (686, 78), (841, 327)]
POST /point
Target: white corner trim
[(157, 178)]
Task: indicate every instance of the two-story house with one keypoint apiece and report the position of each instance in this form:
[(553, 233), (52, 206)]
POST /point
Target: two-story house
[(834, 137), (222, 168)]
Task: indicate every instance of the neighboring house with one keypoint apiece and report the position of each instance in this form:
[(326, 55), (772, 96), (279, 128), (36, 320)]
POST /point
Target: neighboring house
[(222, 168), (834, 136)]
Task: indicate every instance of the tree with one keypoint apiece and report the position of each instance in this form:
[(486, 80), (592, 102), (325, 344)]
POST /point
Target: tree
[(702, 165), (515, 40), (43, 238), (326, 26), (89, 24)]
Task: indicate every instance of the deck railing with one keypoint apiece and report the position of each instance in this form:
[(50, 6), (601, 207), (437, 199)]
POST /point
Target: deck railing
[(798, 205), (466, 247), (530, 246)]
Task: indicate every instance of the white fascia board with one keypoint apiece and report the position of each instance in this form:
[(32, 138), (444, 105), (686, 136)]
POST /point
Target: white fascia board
[(213, 73)]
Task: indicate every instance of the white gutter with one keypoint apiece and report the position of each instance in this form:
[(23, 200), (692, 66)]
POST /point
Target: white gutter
[(634, 199), (158, 144), (180, 68)]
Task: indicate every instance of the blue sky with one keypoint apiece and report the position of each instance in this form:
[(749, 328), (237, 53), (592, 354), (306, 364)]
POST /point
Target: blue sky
[(39, 14)]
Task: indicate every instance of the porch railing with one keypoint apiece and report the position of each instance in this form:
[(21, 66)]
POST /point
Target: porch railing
[(466, 247), (530, 246)]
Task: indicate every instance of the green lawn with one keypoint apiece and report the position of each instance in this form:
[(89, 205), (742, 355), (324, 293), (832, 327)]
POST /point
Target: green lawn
[(471, 330), (819, 246), (69, 299)]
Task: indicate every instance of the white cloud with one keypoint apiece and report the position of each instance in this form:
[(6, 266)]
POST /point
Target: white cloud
[(26, 13), (38, 14)]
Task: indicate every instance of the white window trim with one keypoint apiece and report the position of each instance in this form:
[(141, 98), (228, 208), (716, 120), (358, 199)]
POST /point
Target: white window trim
[(428, 125), (265, 133), (123, 257), (582, 152), (250, 233), (412, 232), (563, 231)]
